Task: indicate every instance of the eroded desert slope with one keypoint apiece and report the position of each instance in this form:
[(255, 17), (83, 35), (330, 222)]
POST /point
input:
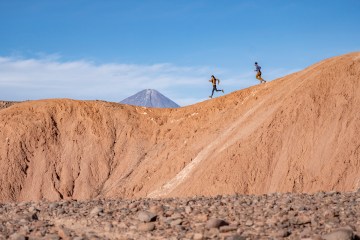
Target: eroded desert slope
[(299, 133)]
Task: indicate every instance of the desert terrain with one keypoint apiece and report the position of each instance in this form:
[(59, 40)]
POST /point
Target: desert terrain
[(241, 159), (320, 216)]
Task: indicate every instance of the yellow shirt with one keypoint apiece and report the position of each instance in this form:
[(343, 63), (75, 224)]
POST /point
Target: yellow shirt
[(213, 81)]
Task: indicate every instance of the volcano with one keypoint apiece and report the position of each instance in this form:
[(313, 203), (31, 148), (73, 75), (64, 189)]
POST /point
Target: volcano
[(150, 98)]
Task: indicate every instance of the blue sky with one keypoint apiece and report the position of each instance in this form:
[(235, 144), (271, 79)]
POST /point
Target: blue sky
[(111, 49)]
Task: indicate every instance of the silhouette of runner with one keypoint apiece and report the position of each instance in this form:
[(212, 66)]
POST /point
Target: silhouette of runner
[(213, 81), (258, 74)]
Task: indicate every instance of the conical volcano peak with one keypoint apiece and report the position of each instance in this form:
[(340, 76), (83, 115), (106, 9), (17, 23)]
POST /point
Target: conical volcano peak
[(150, 98)]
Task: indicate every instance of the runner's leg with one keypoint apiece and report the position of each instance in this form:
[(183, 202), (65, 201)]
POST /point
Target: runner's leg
[(212, 93)]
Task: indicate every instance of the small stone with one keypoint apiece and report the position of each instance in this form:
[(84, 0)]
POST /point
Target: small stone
[(63, 232), (92, 235), (213, 232), (146, 216), (303, 219), (316, 237), (272, 221), (329, 225), (32, 209), (60, 211), (215, 223), (235, 237), (17, 236), (108, 227), (305, 233), (340, 234), (95, 211), (78, 238), (201, 217), (249, 223), (188, 209), (328, 214), (169, 213), (228, 228), (24, 221), (146, 227), (133, 205), (166, 220), (52, 237), (198, 236), (281, 233), (179, 228), (53, 205), (122, 225), (176, 222), (156, 209), (176, 216)]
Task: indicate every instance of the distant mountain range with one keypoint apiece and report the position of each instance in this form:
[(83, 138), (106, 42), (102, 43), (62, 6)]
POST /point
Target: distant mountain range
[(150, 98)]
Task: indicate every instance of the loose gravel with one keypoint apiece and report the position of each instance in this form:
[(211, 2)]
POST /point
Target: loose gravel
[(324, 215)]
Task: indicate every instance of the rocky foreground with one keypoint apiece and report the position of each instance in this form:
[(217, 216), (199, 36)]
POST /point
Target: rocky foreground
[(322, 215)]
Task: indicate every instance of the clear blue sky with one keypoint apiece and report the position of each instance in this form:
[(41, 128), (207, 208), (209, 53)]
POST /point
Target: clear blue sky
[(112, 49)]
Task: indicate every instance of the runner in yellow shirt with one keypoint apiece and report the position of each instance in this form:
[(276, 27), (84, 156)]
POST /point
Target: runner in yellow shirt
[(213, 81)]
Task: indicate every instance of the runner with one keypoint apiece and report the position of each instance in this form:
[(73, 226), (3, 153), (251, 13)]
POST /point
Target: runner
[(213, 81), (258, 74)]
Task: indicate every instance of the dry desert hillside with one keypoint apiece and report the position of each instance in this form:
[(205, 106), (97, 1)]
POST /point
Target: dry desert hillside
[(299, 133)]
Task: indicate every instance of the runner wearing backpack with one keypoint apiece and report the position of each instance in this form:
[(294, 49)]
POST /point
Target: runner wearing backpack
[(258, 74)]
